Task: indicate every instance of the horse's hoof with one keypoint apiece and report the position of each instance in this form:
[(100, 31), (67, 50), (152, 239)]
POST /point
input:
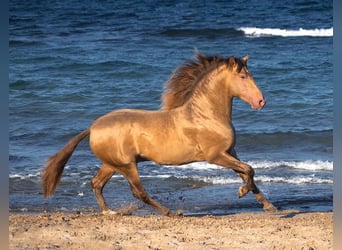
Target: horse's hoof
[(270, 208), (176, 215), (179, 213), (109, 212), (242, 191)]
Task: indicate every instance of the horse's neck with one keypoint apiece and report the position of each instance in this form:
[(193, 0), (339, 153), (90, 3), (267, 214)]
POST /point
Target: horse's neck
[(212, 100)]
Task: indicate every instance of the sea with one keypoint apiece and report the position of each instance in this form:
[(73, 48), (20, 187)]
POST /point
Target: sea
[(72, 61)]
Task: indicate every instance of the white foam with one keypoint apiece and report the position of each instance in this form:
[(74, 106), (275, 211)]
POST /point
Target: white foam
[(294, 180), (217, 180), (24, 176), (202, 165), (305, 165), (257, 32), (301, 179), (224, 180)]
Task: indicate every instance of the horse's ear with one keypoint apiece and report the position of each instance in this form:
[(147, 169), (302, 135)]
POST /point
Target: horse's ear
[(245, 59), (231, 61)]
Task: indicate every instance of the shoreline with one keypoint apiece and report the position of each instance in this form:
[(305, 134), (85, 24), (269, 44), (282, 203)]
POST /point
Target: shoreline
[(290, 229)]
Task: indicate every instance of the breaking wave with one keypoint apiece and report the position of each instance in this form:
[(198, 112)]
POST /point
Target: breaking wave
[(259, 32)]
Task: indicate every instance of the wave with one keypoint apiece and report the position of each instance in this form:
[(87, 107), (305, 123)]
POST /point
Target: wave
[(24, 176), (294, 180), (224, 180), (259, 32), (298, 180), (206, 172), (205, 32), (317, 165), (248, 31)]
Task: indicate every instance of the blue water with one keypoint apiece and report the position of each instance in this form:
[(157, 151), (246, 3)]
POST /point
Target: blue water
[(73, 61)]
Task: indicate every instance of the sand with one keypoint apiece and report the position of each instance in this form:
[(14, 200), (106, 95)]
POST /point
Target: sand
[(280, 230)]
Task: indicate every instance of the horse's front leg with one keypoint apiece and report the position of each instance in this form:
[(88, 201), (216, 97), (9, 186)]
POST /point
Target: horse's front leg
[(246, 172), (247, 178)]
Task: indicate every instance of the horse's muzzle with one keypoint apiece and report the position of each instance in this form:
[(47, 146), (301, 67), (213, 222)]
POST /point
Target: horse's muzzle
[(262, 103), (259, 104)]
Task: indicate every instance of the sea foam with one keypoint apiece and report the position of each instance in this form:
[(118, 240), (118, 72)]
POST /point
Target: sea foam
[(258, 32)]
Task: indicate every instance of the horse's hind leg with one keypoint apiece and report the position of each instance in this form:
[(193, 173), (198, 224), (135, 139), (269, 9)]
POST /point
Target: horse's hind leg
[(138, 191), (98, 182)]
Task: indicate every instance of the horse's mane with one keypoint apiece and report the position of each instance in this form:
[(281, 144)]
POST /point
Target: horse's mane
[(183, 81)]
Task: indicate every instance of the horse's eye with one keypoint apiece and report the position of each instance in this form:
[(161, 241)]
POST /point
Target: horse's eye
[(243, 76)]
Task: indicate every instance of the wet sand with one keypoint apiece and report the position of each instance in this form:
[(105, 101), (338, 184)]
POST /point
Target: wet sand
[(280, 230)]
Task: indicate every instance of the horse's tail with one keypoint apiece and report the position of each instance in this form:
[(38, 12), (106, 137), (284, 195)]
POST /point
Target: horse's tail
[(53, 170)]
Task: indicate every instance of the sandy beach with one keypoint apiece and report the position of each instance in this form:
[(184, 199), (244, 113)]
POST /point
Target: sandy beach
[(280, 230)]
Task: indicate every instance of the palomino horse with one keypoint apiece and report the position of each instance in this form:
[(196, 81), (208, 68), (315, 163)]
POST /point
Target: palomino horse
[(195, 124)]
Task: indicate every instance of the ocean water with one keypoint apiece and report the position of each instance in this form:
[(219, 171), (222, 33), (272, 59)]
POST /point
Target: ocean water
[(73, 61)]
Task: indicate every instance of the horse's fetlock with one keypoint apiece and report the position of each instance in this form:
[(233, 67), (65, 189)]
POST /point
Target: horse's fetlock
[(144, 197)]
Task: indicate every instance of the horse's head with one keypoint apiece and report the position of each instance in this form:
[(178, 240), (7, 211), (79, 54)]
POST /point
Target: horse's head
[(243, 84)]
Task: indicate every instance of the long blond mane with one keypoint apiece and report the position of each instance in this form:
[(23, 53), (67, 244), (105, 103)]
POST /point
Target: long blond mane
[(183, 81)]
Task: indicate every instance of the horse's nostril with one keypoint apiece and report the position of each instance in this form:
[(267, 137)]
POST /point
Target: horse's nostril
[(262, 102)]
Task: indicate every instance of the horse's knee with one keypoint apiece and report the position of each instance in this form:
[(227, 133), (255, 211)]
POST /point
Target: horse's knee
[(249, 171), (246, 173), (135, 194), (248, 178)]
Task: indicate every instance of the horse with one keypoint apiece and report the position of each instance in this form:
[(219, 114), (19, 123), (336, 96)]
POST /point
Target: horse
[(193, 124)]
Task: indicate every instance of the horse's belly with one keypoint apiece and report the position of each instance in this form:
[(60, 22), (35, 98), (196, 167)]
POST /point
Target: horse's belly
[(168, 151), (170, 157)]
